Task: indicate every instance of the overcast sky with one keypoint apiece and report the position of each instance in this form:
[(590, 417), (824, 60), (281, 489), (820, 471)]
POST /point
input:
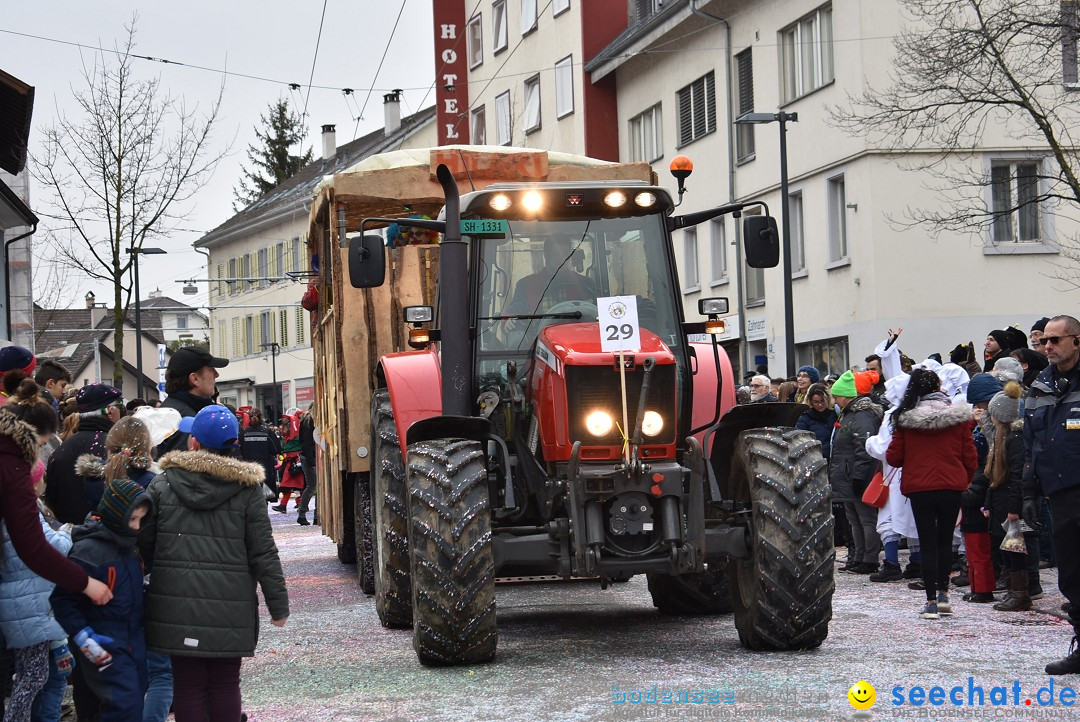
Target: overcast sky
[(269, 38)]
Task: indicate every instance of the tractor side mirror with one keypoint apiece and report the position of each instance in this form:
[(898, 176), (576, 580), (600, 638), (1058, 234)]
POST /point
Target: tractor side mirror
[(761, 242), (367, 261)]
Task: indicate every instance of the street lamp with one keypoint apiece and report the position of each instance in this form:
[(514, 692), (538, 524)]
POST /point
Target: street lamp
[(136, 251), (274, 350), (789, 307)]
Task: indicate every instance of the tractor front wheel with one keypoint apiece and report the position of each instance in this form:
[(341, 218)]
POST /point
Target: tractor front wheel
[(782, 595), (390, 518), (365, 565), (453, 567)]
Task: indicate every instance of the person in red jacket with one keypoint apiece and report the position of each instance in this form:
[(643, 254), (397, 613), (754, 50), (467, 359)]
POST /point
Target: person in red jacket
[(933, 444)]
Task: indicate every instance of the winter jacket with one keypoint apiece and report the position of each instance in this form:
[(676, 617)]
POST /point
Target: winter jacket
[(259, 444), (207, 544), (65, 490), (1052, 430), (92, 470), (821, 423), (932, 443), (307, 438), (768, 398), (18, 507), (188, 404), (850, 466), (112, 559), (973, 500), (1007, 498), (26, 617)]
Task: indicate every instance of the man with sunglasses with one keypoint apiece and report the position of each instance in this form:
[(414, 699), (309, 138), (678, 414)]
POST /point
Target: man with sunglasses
[(1035, 335), (1052, 438)]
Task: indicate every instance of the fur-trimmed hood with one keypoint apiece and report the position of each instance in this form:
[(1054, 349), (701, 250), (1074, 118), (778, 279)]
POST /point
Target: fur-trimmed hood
[(935, 414), (21, 434), (204, 480), (90, 465), (865, 403)]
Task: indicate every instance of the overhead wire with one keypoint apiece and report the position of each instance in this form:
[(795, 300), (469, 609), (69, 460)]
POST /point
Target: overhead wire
[(386, 49), (311, 77)]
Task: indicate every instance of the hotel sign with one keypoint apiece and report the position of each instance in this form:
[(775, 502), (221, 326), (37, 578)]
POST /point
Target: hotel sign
[(451, 72)]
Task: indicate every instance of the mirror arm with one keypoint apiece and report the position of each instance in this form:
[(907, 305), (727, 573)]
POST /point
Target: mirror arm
[(692, 219), (439, 226)]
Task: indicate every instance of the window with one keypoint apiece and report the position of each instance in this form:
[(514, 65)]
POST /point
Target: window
[(284, 332), (181, 321), (299, 263), (564, 86), (300, 326), (755, 286), (502, 118), (233, 272), (558, 7), (838, 249), (264, 267), (249, 335), (718, 242), (690, 261), (498, 25), (267, 330), (532, 104), (277, 261), (1014, 188), (478, 127), (528, 16), (1070, 35), (697, 109), (829, 356), (475, 41), (744, 132), (798, 239), (646, 136), (245, 272), (806, 56)]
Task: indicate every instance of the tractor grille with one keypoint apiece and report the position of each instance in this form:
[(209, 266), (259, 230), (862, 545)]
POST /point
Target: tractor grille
[(597, 387)]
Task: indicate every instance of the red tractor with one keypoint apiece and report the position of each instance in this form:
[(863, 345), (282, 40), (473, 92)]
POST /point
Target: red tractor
[(510, 442)]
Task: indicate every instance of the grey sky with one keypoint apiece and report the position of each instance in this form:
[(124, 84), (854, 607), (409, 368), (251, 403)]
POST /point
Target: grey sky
[(270, 38)]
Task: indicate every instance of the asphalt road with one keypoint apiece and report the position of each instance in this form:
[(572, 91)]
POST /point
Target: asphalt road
[(570, 651)]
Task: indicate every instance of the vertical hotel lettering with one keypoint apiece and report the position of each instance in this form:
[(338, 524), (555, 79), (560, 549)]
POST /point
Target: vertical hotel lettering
[(451, 72)]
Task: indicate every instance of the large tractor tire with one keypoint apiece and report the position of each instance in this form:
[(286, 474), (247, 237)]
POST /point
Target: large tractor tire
[(346, 550), (692, 594), (390, 517), (365, 565), (453, 567), (782, 595)]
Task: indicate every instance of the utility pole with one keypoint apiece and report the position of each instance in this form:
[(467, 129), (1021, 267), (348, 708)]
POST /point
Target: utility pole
[(274, 349)]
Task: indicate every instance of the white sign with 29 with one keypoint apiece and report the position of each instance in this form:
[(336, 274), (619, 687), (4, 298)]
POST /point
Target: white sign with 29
[(619, 328)]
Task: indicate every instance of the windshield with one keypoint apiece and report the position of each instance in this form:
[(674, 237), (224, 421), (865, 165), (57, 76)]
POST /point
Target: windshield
[(547, 272)]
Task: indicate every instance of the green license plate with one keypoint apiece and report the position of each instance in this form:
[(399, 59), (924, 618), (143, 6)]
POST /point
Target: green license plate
[(485, 227)]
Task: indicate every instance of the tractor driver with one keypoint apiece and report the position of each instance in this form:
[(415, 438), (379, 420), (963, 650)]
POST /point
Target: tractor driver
[(555, 283)]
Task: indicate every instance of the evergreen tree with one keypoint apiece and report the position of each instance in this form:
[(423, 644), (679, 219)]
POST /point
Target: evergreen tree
[(272, 162)]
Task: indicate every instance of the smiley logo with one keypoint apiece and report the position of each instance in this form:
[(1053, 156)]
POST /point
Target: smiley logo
[(862, 695)]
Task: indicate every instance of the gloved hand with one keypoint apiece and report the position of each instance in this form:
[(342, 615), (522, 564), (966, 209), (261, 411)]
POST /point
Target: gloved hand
[(1031, 512), (92, 645), (63, 659)]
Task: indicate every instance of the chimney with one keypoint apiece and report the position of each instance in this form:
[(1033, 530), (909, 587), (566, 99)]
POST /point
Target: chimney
[(392, 111), (329, 142), (90, 299)]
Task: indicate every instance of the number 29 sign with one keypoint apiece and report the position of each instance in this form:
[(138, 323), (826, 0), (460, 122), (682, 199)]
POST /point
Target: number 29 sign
[(619, 329)]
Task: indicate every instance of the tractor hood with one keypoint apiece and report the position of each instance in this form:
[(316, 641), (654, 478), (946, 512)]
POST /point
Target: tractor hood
[(578, 344)]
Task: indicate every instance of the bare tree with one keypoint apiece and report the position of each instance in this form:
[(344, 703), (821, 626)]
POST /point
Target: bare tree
[(120, 170), (968, 69)]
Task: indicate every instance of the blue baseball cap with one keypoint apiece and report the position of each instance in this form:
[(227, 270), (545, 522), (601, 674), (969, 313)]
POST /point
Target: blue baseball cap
[(214, 427)]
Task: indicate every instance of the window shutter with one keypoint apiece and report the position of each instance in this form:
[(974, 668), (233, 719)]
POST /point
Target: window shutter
[(746, 82), (284, 321), (220, 274), (236, 338), (710, 103), (300, 327)]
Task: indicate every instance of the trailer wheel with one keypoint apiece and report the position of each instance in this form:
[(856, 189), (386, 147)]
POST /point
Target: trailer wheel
[(782, 595), (365, 565), (706, 592), (346, 550), (389, 511), (453, 567)]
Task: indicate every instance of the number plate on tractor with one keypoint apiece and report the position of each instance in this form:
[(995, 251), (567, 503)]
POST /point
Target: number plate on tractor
[(485, 227)]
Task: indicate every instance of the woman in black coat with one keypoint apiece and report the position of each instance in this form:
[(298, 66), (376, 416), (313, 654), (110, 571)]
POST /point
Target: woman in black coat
[(820, 418)]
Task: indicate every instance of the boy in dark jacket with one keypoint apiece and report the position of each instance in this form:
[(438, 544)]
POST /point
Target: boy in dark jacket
[(110, 637)]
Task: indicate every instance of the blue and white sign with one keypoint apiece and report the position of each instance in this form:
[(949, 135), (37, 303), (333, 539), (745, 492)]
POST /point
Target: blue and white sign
[(161, 361)]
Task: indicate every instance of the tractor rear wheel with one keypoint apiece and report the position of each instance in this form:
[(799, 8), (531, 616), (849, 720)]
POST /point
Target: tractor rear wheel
[(390, 518), (782, 595), (365, 565), (453, 567), (706, 592)]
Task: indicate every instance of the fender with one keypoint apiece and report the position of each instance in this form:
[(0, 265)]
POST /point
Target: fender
[(704, 408), (414, 380)]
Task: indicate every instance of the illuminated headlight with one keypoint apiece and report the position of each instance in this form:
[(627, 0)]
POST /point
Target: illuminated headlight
[(652, 423), (599, 423), (500, 202), (532, 201), (645, 199), (615, 199)]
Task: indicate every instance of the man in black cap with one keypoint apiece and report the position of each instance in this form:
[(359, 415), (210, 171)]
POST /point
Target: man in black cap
[(190, 380)]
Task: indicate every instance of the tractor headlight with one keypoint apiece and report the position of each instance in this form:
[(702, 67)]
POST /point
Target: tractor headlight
[(500, 202), (652, 423), (532, 201), (599, 423), (615, 199)]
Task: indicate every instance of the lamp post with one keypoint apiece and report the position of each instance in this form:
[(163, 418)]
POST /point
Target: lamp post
[(789, 307), (274, 348), (135, 252)]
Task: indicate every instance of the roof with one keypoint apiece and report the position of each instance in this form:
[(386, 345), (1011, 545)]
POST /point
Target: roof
[(643, 28), (169, 304), (300, 189), (74, 349), (13, 212), (16, 109)]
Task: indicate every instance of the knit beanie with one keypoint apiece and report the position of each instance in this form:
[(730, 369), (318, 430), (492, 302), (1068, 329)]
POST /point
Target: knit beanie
[(959, 355), (1003, 339), (982, 388), (120, 497), (1005, 406), (1040, 325), (865, 381), (1007, 368), (845, 386), (811, 372), (1017, 338)]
